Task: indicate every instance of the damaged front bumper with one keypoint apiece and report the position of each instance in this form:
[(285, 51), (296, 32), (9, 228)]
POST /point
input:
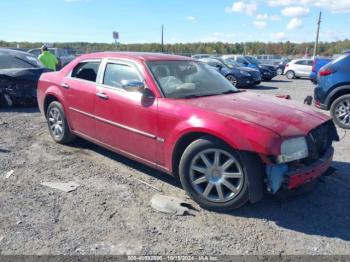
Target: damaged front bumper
[(298, 177), (289, 177)]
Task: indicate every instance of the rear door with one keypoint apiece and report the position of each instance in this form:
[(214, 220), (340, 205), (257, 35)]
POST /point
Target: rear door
[(301, 68), (80, 90), (124, 120)]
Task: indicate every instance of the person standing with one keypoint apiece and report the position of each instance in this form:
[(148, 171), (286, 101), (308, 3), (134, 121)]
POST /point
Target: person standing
[(48, 59)]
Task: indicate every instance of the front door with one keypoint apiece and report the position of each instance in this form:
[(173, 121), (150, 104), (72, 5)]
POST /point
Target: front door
[(123, 119), (80, 88)]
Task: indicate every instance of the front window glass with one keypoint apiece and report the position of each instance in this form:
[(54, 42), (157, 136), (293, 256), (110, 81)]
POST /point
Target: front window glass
[(116, 73), (187, 79)]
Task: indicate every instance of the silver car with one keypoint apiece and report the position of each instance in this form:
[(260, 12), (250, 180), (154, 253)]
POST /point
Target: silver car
[(298, 68)]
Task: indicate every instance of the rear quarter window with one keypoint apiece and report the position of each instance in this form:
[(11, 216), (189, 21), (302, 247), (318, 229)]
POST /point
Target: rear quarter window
[(86, 71)]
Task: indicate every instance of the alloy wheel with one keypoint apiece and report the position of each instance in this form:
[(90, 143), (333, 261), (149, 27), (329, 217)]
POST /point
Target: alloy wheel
[(56, 123), (216, 175), (232, 79), (342, 112)]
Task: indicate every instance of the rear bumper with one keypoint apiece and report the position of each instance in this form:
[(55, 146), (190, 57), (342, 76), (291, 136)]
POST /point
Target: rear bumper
[(305, 175)]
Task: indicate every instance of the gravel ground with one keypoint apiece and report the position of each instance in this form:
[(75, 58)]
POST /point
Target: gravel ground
[(109, 213)]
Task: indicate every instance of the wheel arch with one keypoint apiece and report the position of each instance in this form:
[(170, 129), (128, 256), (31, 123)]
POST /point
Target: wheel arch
[(336, 93), (255, 178), (49, 98)]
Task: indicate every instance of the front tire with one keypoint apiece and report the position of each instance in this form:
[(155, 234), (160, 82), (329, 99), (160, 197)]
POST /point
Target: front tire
[(340, 111), (279, 71), (290, 74), (214, 175), (58, 125), (232, 79)]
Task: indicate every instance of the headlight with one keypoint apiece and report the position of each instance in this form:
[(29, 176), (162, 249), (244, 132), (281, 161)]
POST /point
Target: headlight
[(293, 149), (244, 73)]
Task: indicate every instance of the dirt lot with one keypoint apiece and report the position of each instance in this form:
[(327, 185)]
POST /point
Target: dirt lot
[(109, 212)]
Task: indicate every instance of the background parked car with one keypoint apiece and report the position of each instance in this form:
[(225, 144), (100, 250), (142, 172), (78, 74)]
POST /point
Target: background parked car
[(333, 90), (200, 56), (63, 55), (316, 66), (267, 72), (240, 77), (282, 66), (299, 68), (19, 74), (270, 59)]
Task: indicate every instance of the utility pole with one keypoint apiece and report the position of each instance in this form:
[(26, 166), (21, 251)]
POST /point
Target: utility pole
[(318, 33), (162, 39)]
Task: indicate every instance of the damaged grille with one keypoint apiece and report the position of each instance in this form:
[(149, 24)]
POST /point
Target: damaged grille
[(320, 139)]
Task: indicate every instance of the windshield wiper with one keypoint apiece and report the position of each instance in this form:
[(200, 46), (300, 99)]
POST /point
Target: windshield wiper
[(215, 94)]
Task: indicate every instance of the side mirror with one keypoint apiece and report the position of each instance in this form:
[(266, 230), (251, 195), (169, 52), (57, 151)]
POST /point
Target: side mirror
[(133, 85), (148, 94), (219, 67)]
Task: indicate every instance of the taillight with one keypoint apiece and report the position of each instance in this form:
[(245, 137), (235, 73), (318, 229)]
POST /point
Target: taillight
[(287, 65), (326, 72)]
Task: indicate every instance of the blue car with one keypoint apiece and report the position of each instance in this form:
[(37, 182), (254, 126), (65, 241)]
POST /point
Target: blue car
[(333, 90), (316, 66), (267, 71), (239, 76)]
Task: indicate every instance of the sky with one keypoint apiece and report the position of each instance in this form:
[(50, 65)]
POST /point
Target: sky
[(139, 21)]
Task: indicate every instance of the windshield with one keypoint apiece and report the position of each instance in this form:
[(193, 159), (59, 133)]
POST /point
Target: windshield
[(230, 63), (252, 60), (187, 79), (18, 62)]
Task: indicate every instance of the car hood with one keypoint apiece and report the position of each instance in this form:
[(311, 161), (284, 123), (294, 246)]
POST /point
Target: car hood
[(269, 67), (248, 69), (284, 117), (31, 74)]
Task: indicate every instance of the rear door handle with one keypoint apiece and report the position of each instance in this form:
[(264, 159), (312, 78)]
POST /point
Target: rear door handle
[(102, 96), (65, 85)]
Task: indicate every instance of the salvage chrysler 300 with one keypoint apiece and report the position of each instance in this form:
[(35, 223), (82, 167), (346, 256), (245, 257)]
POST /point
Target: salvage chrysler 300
[(180, 116)]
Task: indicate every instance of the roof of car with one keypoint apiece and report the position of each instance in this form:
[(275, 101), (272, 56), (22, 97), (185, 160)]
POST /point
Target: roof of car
[(137, 56), (11, 52)]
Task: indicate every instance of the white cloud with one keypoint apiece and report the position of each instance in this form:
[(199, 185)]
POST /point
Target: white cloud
[(295, 11), (294, 23), (262, 17), (218, 34), (191, 18), (334, 6), (260, 24), (275, 18), (243, 7), (279, 36)]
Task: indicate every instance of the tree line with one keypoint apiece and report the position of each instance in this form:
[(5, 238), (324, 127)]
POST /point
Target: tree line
[(282, 48)]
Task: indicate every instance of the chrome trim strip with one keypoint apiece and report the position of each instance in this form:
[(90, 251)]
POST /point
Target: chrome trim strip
[(115, 124)]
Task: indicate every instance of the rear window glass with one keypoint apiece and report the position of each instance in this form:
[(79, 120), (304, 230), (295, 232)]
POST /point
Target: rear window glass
[(86, 71), (340, 58)]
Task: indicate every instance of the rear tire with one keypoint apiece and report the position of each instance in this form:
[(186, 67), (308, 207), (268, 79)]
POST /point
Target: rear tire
[(58, 125), (214, 175), (290, 74), (340, 111)]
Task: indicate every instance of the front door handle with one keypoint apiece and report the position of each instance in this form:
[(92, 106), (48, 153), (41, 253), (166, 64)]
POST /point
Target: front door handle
[(102, 96), (65, 85)]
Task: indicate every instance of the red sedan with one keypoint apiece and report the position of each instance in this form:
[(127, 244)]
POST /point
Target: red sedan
[(182, 117)]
